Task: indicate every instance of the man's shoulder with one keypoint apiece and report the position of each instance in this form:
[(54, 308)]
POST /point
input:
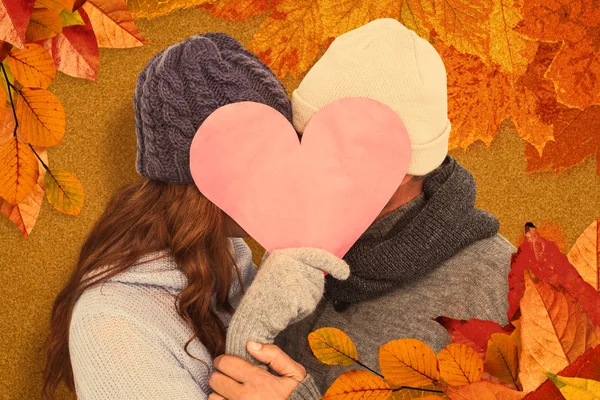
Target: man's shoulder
[(493, 251)]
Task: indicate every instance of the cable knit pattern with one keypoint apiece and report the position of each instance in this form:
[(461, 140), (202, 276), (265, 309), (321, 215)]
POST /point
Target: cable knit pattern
[(127, 341), (182, 85)]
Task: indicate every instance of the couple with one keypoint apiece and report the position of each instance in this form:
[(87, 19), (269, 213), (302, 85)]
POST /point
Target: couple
[(146, 311)]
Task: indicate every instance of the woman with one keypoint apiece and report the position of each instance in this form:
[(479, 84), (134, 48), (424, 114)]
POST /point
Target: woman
[(146, 308)]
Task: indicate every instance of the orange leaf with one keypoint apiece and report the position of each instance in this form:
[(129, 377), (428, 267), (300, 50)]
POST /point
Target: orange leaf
[(413, 17), (5, 48), (408, 362), (410, 394), (483, 390), (332, 346), (356, 385), (41, 117), (7, 125), (33, 66), (341, 16), (502, 358), (459, 364), (555, 330), (153, 8), (75, 50), (54, 5), (44, 24), (14, 17), (113, 24), (288, 39), (24, 215), (18, 171), (74, 5), (3, 108), (585, 254), (64, 191), (463, 24), (237, 10)]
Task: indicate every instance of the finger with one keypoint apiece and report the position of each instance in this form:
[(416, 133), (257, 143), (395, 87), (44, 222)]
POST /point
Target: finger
[(235, 367), (277, 360), (225, 386), (216, 396)]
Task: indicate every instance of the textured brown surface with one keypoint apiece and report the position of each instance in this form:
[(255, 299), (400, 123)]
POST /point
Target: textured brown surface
[(99, 148)]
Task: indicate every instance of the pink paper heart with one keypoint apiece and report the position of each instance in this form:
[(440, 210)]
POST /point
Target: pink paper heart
[(324, 192)]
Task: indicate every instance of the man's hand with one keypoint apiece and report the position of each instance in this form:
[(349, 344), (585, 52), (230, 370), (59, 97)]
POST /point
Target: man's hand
[(236, 379)]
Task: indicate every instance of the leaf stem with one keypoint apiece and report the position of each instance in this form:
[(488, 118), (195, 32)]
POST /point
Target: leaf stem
[(8, 86), (366, 367)]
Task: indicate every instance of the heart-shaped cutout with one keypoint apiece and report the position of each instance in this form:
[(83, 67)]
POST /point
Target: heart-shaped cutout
[(323, 192)]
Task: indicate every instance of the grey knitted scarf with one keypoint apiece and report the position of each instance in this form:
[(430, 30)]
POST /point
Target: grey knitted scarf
[(425, 233)]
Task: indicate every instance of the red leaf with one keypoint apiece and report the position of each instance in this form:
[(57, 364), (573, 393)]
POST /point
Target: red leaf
[(75, 50), (475, 333), (586, 366), (5, 48), (546, 261), (14, 18)]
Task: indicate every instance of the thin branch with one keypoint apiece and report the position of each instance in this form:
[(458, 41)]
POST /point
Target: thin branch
[(40, 159), (8, 86)]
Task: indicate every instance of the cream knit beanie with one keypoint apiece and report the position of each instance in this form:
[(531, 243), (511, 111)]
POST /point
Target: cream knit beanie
[(385, 61)]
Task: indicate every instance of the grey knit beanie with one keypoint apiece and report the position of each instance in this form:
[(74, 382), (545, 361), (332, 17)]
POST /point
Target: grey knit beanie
[(181, 86)]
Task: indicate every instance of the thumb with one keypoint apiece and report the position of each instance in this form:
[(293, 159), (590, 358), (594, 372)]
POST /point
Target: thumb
[(277, 360)]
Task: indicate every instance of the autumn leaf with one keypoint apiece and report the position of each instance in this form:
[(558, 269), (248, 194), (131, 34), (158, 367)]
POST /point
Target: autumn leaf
[(75, 50), (585, 254), (413, 17), (18, 170), (14, 17), (459, 364), (332, 346), (555, 331), (69, 18), (545, 260), (237, 10), (113, 24), (288, 39), (576, 69), (502, 359), (356, 385), (44, 24), (3, 108), (33, 66), (576, 388), (9, 74), (7, 126), (41, 117), (408, 362), (550, 230), (424, 393), (54, 5), (64, 191), (24, 215), (475, 333), (5, 48), (341, 16), (483, 390), (153, 8), (74, 5)]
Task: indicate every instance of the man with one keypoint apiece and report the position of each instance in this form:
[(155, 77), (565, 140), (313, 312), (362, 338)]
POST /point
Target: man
[(430, 253)]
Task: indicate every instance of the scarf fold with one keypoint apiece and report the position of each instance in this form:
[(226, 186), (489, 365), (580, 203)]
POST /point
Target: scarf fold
[(424, 233)]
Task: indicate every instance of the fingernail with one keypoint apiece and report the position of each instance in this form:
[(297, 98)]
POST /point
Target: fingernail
[(254, 345)]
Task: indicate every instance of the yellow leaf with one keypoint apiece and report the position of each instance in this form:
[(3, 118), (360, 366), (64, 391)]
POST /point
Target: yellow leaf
[(502, 358), (408, 362), (516, 334), (413, 18), (64, 191), (555, 331), (410, 394), (463, 24), (156, 8), (113, 24), (332, 346), (33, 66), (55, 5), (357, 385), (585, 253), (288, 39), (18, 170), (69, 18), (512, 51), (459, 364), (44, 24), (24, 215), (576, 388), (41, 117), (341, 16)]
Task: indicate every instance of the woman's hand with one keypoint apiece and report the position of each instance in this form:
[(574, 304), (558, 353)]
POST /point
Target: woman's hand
[(237, 379)]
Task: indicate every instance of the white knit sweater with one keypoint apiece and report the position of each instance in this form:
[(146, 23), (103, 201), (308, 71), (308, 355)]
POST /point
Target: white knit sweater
[(127, 341)]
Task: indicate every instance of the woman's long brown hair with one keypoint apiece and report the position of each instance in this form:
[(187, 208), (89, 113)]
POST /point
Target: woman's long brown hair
[(145, 217)]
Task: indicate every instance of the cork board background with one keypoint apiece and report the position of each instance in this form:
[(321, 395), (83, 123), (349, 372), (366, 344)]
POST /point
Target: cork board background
[(99, 148)]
